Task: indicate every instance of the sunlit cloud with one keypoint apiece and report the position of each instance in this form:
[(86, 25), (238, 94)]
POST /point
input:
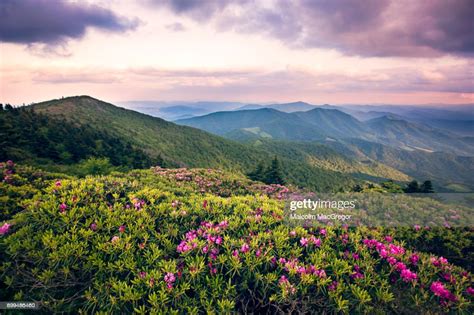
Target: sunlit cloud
[(255, 51)]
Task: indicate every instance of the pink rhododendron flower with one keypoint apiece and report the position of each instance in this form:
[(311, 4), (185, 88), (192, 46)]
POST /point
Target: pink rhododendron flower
[(142, 274), (4, 228), (258, 253), (93, 226), (439, 290), (315, 241), (245, 248), (115, 239), (212, 270), (383, 253), (320, 273), (470, 291), (293, 233), (392, 260), (204, 204), (169, 280), (62, 207), (122, 229), (301, 270), (333, 286), (58, 183), (414, 259), (283, 279), (304, 241), (407, 275), (357, 275), (214, 253), (449, 277), (388, 239), (417, 227), (399, 266), (183, 247), (396, 250), (438, 262), (170, 277)]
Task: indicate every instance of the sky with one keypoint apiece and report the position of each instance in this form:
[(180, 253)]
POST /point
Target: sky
[(255, 51)]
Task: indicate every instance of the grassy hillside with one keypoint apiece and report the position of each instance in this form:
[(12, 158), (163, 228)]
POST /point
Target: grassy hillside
[(401, 133), (335, 123), (444, 168), (315, 124), (278, 125), (176, 144), (159, 139), (322, 156)]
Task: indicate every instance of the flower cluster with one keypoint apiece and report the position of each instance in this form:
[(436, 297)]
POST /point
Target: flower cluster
[(169, 280), (392, 254), (4, 228), (439, 290), (8, 171), (207, 232)]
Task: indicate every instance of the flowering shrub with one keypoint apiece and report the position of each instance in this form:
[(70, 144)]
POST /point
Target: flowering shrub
[(195, 241)]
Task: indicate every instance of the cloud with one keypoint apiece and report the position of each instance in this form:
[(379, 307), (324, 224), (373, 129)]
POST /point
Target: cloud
[(368, 28), (176, 27), (293, 81), (432, 83), (197, 9), (53, 22)]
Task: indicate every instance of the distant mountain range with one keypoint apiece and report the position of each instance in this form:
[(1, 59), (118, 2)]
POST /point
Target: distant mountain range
[(457, 119), (323, 123)]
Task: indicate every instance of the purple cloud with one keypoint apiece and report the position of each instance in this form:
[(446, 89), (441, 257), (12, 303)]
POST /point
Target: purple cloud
[(367, 28), (53, 22)]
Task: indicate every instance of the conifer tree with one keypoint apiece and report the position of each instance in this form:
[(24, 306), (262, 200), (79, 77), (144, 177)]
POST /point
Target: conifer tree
[(259, 173), (412, 187), (427, 187), (274, 174)]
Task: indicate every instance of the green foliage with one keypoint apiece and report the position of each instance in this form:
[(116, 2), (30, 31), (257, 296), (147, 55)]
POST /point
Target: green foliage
[(441, 167), (414, 187), (427, 187), (197, 241), (272, 174), (94, 166), (26, 135)]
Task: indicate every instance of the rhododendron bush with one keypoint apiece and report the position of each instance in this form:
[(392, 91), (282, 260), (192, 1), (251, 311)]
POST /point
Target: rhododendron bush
[(195, 241)]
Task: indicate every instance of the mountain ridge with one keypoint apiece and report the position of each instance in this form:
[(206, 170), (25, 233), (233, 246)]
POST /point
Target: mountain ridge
[(186, 146)]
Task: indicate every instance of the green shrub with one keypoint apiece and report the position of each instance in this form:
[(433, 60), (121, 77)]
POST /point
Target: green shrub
[(196, 241)]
